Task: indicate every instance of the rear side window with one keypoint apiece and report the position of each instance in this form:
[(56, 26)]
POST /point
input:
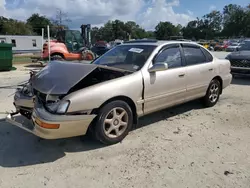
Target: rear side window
[(194, 55), (209, 57)]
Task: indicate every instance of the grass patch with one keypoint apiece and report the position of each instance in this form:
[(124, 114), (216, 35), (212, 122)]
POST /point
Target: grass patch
[(12, 68), (22, 59)]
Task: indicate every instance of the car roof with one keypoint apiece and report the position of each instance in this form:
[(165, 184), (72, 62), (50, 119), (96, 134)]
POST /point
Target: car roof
[(156, 42)]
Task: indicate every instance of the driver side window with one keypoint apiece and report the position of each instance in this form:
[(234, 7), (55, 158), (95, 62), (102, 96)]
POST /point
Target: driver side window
[(171, 56)]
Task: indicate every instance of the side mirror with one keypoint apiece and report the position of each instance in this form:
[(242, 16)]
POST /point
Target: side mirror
[(158, 67)]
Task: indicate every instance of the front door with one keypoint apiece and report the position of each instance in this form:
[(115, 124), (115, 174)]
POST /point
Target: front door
[(168, 87), (200, 70)]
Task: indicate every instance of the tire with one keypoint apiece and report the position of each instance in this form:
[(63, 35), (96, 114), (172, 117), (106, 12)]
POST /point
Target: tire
[(110, 129), (57, 57), (213, 93), (88, 55)]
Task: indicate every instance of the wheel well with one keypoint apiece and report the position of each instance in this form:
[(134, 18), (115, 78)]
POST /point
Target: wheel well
[(129, 101), (221, 82), (58, 53)]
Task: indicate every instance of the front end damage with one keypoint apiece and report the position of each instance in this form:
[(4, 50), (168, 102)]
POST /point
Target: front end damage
[(52, 126), (41, 101)]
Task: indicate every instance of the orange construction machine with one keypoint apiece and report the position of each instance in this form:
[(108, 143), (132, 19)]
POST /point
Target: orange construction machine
[(70, 45)]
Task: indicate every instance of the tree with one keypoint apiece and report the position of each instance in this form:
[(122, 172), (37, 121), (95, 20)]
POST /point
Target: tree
[(192, 30), (234, 17), (246, 30), (95, 35), (211, 25), (117, 29), (38, 22), (150, 34), (134, 31), (2, 20), (164, 30), (130, 28), (14, 27), (106, 32)]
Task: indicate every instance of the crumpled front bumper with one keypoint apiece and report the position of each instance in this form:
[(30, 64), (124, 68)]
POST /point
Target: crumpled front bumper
[(42, 121), (23, 101)]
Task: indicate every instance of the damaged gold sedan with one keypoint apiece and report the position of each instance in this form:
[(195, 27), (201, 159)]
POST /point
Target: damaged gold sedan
[(108, 96)]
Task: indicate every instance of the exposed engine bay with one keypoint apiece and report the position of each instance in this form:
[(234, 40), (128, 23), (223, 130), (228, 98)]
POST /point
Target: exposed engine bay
[(97, 76)]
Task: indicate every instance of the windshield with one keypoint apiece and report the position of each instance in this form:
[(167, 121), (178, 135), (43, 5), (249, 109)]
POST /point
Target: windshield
[(128, 57), (78, 37), (245, 46)]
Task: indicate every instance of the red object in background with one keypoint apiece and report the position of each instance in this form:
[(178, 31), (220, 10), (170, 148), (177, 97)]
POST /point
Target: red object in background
[(225, 44)]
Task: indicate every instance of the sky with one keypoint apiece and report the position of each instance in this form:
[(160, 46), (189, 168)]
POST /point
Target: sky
[(147, 13)]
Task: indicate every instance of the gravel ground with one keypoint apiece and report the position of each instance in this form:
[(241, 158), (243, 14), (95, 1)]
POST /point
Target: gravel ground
[(185, 146)]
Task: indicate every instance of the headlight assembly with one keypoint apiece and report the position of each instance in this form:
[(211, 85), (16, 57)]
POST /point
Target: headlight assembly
[(60, 107)]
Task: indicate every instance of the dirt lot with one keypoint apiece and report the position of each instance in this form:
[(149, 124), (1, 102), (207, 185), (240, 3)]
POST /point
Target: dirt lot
[(185, 146)]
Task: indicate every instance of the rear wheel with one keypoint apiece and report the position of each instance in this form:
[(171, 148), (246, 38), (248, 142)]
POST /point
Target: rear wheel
[(213, 93), (114, 122)]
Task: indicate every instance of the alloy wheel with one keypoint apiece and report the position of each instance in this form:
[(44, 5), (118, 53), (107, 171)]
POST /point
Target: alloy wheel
[(214, 92), (116, 122)]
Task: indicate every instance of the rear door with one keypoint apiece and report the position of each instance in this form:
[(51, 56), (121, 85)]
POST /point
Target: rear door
[(200, 70)]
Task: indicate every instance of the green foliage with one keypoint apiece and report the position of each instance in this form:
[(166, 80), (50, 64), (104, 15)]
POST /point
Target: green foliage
[(164, 30), (38, 22), (119, 30), (14, 27)]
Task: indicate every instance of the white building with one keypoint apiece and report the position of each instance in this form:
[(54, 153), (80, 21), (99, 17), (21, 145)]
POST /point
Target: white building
[(22, 43)]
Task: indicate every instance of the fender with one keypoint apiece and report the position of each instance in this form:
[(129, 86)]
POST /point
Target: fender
[(59, 49)]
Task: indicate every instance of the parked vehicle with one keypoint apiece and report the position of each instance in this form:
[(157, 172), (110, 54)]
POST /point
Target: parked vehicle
[(108, 96), (232, 47), (221, 46), (100, 48), (204, 44), (240, 59), (218, 47)]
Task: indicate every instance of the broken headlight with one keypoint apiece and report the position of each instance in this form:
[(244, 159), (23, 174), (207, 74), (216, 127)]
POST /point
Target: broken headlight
[(58, 107), (27, 90)]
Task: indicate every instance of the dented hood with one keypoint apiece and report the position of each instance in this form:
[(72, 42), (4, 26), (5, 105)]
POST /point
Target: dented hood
[(59, 77)]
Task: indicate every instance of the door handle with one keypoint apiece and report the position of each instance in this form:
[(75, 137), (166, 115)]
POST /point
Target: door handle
[(181, 75), (210, 69)]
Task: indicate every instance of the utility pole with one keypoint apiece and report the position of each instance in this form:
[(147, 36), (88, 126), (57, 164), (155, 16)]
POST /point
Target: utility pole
[(48, 30), (42, 41)]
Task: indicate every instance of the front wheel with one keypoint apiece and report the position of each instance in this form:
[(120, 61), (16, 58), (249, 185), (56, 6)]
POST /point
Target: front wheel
[(88, 55), (213, 93), (57, 57), (114, 122)]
